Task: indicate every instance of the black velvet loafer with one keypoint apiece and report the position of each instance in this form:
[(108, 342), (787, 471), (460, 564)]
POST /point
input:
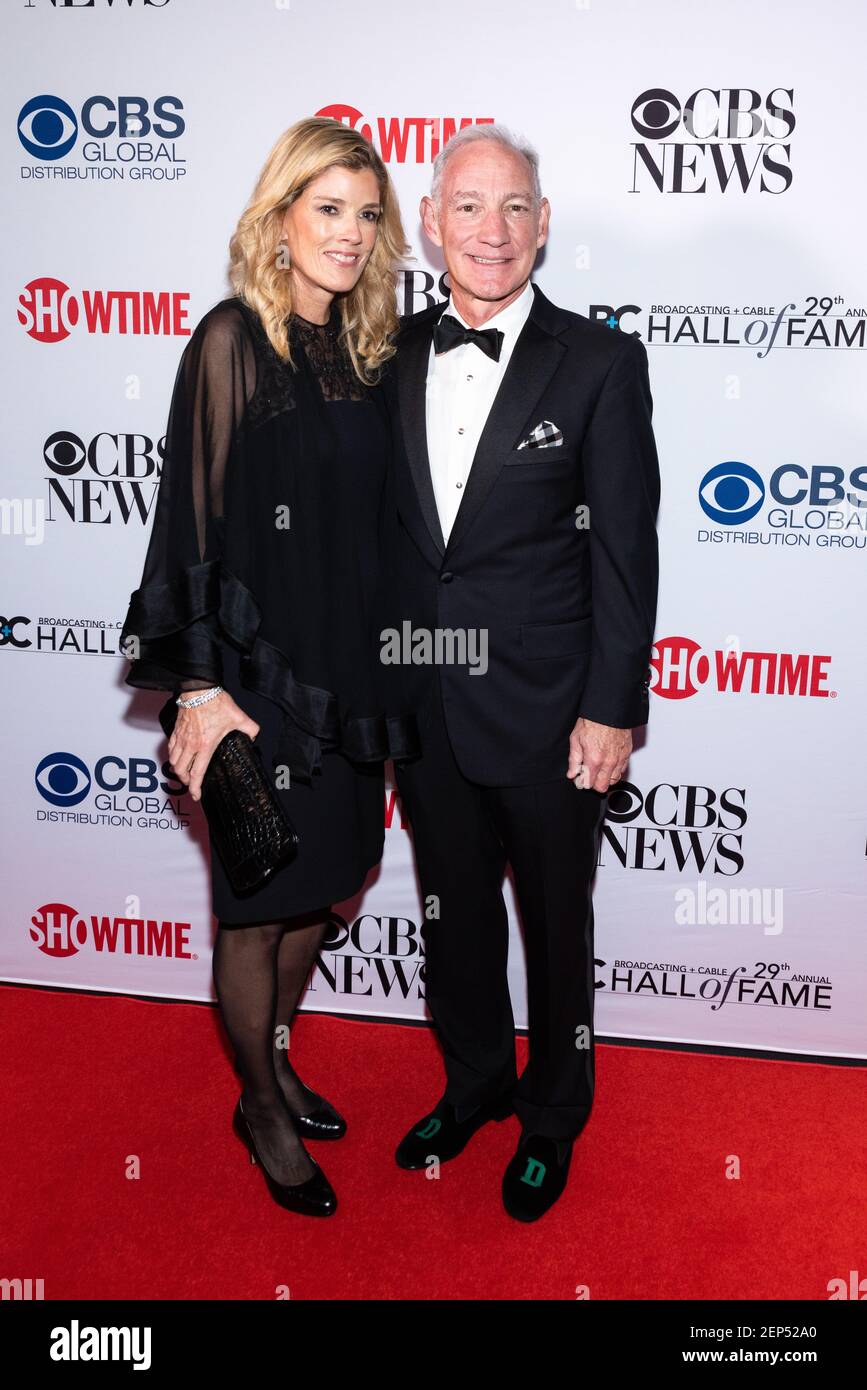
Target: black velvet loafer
[(536, 1176), (441, 1135)]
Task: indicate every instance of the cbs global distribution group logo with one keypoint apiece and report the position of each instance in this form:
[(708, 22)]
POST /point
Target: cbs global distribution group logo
[(823, 505), (120, 137)]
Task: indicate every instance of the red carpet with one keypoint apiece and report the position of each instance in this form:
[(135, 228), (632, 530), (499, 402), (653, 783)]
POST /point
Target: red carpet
[(649, 1212)]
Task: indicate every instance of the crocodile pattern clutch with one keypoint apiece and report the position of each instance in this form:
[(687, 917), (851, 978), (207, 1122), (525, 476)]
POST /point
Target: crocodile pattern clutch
[(249, 828)]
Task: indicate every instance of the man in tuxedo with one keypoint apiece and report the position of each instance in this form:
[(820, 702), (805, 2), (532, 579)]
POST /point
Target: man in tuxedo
[(527, 486)]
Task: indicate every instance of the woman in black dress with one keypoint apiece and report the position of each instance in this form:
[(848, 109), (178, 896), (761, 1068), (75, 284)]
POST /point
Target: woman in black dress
[(262, 586)]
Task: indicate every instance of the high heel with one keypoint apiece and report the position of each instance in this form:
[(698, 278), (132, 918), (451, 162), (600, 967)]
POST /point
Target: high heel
[(315, 1197), (322, 1122)]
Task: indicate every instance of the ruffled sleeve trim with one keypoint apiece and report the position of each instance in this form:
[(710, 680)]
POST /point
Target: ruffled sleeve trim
[(176, 628)]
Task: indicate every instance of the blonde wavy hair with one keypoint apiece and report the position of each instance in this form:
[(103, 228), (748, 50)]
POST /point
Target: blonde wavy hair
[(369, 312)]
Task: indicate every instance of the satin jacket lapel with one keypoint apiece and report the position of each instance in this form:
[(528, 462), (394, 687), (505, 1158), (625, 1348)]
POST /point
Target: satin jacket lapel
[(412, 363), (535, 358)]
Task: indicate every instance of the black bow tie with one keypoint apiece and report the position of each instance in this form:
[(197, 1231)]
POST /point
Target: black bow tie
[(449, 333)]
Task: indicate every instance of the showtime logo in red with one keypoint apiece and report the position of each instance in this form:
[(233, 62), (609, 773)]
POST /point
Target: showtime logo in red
[(680, 668), (403, 139), (59, 931), (48, 310)]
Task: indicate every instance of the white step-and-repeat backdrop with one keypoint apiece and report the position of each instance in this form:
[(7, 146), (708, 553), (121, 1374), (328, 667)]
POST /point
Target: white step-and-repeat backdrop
[(703, 166)]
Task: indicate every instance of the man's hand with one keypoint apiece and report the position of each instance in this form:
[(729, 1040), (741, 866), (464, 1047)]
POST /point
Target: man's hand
[(601, 750)]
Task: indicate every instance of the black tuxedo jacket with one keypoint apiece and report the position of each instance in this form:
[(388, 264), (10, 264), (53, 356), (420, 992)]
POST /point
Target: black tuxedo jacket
[(569, 610)]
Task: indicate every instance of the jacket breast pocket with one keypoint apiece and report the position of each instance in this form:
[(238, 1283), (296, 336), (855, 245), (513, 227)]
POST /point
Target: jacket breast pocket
[(541, 640), (545, 456)]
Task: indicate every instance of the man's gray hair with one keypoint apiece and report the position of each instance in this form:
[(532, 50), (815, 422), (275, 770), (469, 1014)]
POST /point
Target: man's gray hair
[(502, 135)]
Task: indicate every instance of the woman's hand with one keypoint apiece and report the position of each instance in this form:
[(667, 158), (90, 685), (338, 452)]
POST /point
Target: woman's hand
[(197, 733)]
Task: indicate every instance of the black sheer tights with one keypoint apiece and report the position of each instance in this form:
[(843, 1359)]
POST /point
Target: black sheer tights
[(259, 973)]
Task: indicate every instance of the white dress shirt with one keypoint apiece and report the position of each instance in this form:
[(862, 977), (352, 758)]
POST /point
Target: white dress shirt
[(460, 390)]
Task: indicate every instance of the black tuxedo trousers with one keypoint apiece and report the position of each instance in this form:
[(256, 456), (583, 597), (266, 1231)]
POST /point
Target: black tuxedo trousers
[(464, 835)]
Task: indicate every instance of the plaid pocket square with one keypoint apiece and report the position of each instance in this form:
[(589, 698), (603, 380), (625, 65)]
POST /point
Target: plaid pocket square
[(545, 436)]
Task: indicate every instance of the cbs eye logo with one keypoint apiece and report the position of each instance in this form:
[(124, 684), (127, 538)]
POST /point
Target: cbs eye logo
[(47, 127), (656, 114), (731, 493), (62, 779)]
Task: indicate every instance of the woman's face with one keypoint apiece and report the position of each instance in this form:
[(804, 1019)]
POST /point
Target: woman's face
[(329, 232)]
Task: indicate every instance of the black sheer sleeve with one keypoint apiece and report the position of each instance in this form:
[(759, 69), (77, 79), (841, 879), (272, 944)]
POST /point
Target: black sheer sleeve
[(171, 633)]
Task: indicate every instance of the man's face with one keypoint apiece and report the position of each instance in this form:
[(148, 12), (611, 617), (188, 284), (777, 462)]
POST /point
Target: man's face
[(488, 222)]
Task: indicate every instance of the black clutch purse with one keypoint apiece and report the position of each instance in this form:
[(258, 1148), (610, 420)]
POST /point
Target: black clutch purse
[(249, 828)]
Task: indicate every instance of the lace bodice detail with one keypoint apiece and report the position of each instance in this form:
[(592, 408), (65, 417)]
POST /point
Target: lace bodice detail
[(328, 359)]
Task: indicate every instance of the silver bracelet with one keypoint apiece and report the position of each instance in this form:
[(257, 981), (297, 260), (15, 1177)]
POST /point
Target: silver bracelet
[(202, 699)]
